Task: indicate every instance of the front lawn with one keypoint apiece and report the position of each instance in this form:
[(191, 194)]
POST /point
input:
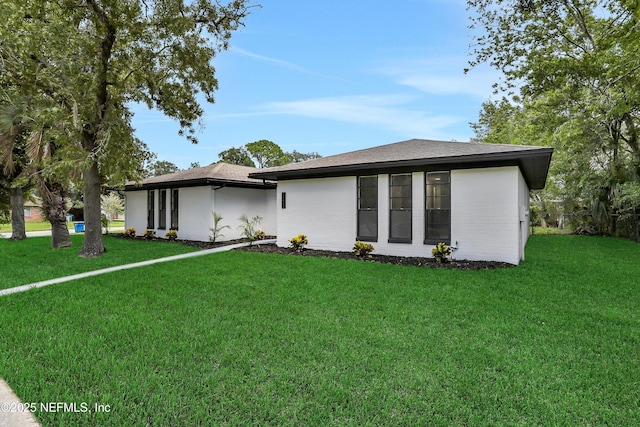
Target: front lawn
[(241, 338), (33, 260)]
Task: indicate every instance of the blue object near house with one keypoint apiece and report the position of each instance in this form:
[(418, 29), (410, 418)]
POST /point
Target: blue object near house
[(79, 227)]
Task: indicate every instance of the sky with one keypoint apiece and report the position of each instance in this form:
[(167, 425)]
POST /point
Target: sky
[(334, 76)]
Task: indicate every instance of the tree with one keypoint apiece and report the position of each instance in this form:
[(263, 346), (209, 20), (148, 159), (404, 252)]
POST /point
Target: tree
[(576, 68), (161, 167), (29, 153), (95, 57), (237, 156), (112, 204), (265, 153)]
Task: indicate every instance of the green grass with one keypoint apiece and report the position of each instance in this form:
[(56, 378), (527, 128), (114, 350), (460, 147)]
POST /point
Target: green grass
[(33, 260), (246, 338)]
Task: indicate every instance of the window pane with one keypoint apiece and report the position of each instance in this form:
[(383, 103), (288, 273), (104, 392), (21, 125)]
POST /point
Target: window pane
[(400, 225), (368, 224), (439, 202), (400, 203), (435, 178), (438, 225), (369, 181), (401, 179)]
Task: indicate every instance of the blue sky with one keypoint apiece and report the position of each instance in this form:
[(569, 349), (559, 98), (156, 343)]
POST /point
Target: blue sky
[(334, 76)]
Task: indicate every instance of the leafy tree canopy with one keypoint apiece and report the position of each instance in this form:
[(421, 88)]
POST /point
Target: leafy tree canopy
[(264, 154), (93, 58), (573, 74)]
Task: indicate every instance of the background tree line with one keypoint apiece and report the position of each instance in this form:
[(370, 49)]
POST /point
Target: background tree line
[(571, 81)]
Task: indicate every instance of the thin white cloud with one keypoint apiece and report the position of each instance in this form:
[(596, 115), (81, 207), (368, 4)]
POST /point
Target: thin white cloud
[(385, 112), (282, 63), (443, 76)]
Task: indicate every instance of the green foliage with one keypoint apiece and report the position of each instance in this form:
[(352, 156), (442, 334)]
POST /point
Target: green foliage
[(171, 234), (91, 62), (441, 252), (265, 153), (149, 234), (237, 156), (298, 242), (249, 227), (130, 232), (575, 64), (362, 248), (160, 167), (104, 221), (216, 230), (112, 204)]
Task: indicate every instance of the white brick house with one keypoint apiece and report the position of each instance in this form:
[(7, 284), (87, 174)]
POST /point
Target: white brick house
[(406, 197), (185, 201)]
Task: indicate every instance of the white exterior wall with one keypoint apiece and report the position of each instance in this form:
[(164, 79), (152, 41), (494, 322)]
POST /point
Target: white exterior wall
[(524, 205), (489, 214), (136, 210), (323, 209), (231, 203), (485, 221), (194, 213)]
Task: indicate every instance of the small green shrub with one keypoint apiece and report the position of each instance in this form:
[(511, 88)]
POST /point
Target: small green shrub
[(130, 232), (216, 230), (150, 234), (171, 234), (362, 248), (104, 221), (298, 242), (441, 252), (249, 227)]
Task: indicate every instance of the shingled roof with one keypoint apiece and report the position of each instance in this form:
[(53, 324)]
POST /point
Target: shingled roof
[(420, 154), (222, 174)]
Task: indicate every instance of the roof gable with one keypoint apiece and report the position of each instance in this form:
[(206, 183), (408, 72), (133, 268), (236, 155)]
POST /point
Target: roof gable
[(418, 154)]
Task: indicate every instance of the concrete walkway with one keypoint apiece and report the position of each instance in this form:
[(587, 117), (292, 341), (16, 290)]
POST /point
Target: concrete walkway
[(9, 402)]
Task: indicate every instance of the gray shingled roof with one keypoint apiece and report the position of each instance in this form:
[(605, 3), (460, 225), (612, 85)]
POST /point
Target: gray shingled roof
[(417, 154), (214, 174)]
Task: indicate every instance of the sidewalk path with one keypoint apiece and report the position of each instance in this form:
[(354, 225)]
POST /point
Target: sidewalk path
[(8, 399), (11, 413)]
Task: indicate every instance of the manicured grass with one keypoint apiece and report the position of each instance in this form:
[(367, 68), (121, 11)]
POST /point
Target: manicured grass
[(256, 339), (33, 260)]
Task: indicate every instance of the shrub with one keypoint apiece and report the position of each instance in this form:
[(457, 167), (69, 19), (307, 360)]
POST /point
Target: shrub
[(250, 227), (104, 221), (171, 234), (130, 232), (298, 242), (441, 252), (149, 234), (361, 248), (216, 230)]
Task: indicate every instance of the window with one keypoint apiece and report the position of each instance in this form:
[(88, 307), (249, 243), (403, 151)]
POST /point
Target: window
[(162, 220), (283, 201), (151, 205), (368, 208), (400, 208), (27, 212), (174, 209), (438, 208)]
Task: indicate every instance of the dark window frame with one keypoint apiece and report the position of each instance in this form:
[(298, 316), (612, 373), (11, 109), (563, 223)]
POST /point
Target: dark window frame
[(361, 210), (151, 209), (283, 200), (428, 240), (404, 208), (175, 206), (162, 210)]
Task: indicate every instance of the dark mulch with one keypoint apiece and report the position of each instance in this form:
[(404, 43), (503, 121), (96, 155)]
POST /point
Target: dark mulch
[(386, 259)]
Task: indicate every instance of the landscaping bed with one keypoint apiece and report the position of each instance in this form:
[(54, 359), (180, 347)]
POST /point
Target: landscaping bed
[(385, 259)]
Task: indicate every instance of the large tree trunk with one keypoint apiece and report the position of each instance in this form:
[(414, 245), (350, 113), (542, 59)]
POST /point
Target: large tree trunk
[(56, 212), (93, 244), (17, 214)]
